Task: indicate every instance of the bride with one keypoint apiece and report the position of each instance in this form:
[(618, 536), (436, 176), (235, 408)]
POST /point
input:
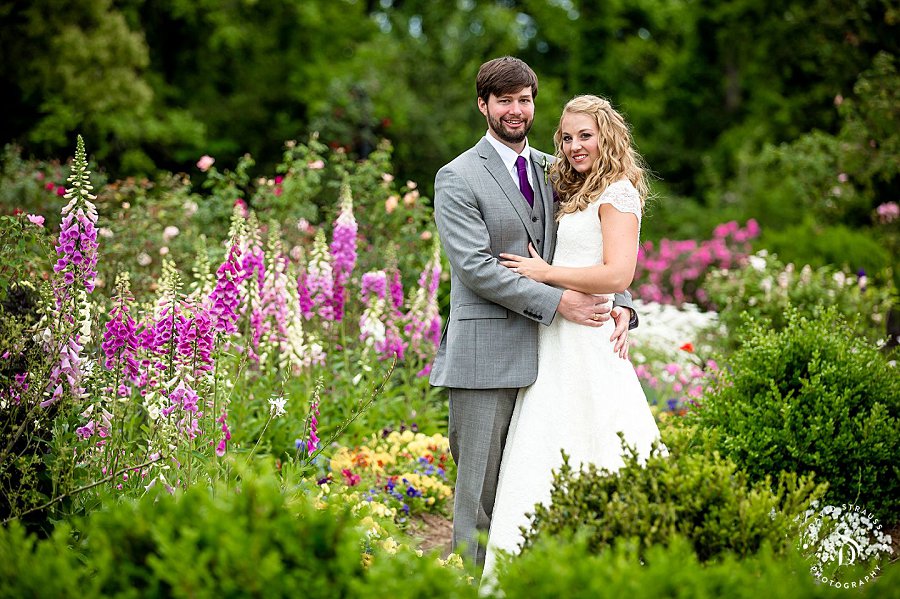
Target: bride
[(584, 394)]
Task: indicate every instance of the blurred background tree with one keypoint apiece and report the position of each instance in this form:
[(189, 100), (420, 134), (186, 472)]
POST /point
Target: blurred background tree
[(734, 104)]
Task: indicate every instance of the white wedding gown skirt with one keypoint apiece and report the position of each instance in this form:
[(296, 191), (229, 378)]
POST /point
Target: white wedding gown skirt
[(583, 397)]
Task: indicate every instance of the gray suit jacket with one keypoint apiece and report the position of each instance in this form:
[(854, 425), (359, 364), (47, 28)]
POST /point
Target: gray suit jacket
[(490, 340)]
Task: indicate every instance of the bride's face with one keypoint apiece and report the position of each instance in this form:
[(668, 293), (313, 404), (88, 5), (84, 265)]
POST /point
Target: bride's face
[(580, 140)]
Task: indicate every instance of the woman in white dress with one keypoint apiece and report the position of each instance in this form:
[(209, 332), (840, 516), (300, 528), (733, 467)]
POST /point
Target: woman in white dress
[(585, 394)]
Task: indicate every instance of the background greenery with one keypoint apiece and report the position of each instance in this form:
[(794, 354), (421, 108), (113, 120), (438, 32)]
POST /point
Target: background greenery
[(723, 96)]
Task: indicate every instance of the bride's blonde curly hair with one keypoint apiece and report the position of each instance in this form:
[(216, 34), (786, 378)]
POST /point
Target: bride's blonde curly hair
[(618, 158)]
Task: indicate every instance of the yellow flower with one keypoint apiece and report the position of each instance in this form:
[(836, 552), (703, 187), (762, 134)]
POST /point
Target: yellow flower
[(342, 459), (390, 545), (454, 560)]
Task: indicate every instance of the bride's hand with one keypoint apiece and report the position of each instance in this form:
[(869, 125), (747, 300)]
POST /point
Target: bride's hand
[(534, 268)]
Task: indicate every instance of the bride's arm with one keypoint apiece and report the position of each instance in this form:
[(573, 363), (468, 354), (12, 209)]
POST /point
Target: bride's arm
[(620, 242)]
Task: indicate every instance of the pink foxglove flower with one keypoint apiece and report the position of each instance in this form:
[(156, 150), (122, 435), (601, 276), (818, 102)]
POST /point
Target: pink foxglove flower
[(397, 292), (120, 342), (226, 435), (225, 298), (378, 323), (313, 442), (77, 243), (424, 319), (343, 250), (195, 339), (35, 219), (319, 278)]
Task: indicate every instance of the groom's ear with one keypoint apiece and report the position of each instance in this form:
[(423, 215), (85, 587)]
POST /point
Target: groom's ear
[(482, 106)]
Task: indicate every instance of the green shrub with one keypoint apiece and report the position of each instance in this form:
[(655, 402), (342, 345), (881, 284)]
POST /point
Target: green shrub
[(837, 245), (812, 398), (254, 541), (695, 494), (768, 288), (563, 567)]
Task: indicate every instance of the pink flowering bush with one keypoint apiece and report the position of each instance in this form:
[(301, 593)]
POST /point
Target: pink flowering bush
[(672, 272)]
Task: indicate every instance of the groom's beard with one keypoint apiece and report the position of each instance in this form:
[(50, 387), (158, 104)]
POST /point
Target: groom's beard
[(513, 137)]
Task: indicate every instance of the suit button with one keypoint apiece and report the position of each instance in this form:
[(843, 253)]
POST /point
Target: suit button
[(534, 219), (538, 241)]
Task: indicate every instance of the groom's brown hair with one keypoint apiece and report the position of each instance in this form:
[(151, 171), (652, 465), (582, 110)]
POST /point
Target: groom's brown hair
[(504, 75)]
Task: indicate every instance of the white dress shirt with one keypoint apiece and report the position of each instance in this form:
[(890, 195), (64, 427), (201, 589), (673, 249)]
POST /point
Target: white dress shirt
[(508, 156)]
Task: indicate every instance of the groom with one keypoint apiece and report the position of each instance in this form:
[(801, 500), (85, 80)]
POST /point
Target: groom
[(494, 198)]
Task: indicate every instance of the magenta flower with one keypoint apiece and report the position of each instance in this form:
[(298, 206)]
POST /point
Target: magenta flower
[(378, 324), (225, 299), (77, 243), (397, 292), (226, 435), (313, 442), (373, 283), (319, 279), (195, 340), (423, 319), (120, 340), (343, 250)]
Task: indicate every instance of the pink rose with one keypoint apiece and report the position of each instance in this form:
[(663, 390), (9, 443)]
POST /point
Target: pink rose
[(205, 162), (316, 165), (36, 219)]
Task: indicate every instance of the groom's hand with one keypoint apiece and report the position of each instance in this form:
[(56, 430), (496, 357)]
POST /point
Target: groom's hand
[(582, 308), (619, 337)]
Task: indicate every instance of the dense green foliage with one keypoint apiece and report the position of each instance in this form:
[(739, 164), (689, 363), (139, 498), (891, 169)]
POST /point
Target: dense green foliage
[(563, 567), (698, 496), (811, 398), (258, 540)]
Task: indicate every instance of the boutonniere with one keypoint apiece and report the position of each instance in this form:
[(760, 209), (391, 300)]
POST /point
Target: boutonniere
[(546, 166)]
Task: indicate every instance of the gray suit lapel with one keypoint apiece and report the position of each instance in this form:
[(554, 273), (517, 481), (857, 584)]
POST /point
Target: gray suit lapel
[(546, 190), (497, 170)]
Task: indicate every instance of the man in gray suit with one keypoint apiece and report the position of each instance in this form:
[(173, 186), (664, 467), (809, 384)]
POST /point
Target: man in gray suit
[(494, 198)]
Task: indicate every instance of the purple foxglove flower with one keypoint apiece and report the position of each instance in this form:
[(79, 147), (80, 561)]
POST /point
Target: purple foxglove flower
[(397, 292), (373, 283), (225, 299), (343, 250)]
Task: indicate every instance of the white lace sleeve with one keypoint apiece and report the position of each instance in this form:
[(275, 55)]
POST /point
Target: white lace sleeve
[(624, 198)]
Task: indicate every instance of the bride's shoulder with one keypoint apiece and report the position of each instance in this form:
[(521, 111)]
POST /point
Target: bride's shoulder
[(623, 196), (620, 187)]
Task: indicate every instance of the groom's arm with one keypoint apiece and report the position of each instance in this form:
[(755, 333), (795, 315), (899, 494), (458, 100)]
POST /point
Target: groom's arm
[(464, 235)]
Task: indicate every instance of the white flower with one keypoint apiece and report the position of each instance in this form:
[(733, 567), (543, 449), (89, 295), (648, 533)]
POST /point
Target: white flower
[(276, 406), (758, 262), (144, 259)]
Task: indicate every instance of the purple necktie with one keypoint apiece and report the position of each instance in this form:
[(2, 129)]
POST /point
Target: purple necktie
[(524, 185)]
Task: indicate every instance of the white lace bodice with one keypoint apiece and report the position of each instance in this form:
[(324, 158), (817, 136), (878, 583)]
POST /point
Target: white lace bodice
[(580, 239)]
